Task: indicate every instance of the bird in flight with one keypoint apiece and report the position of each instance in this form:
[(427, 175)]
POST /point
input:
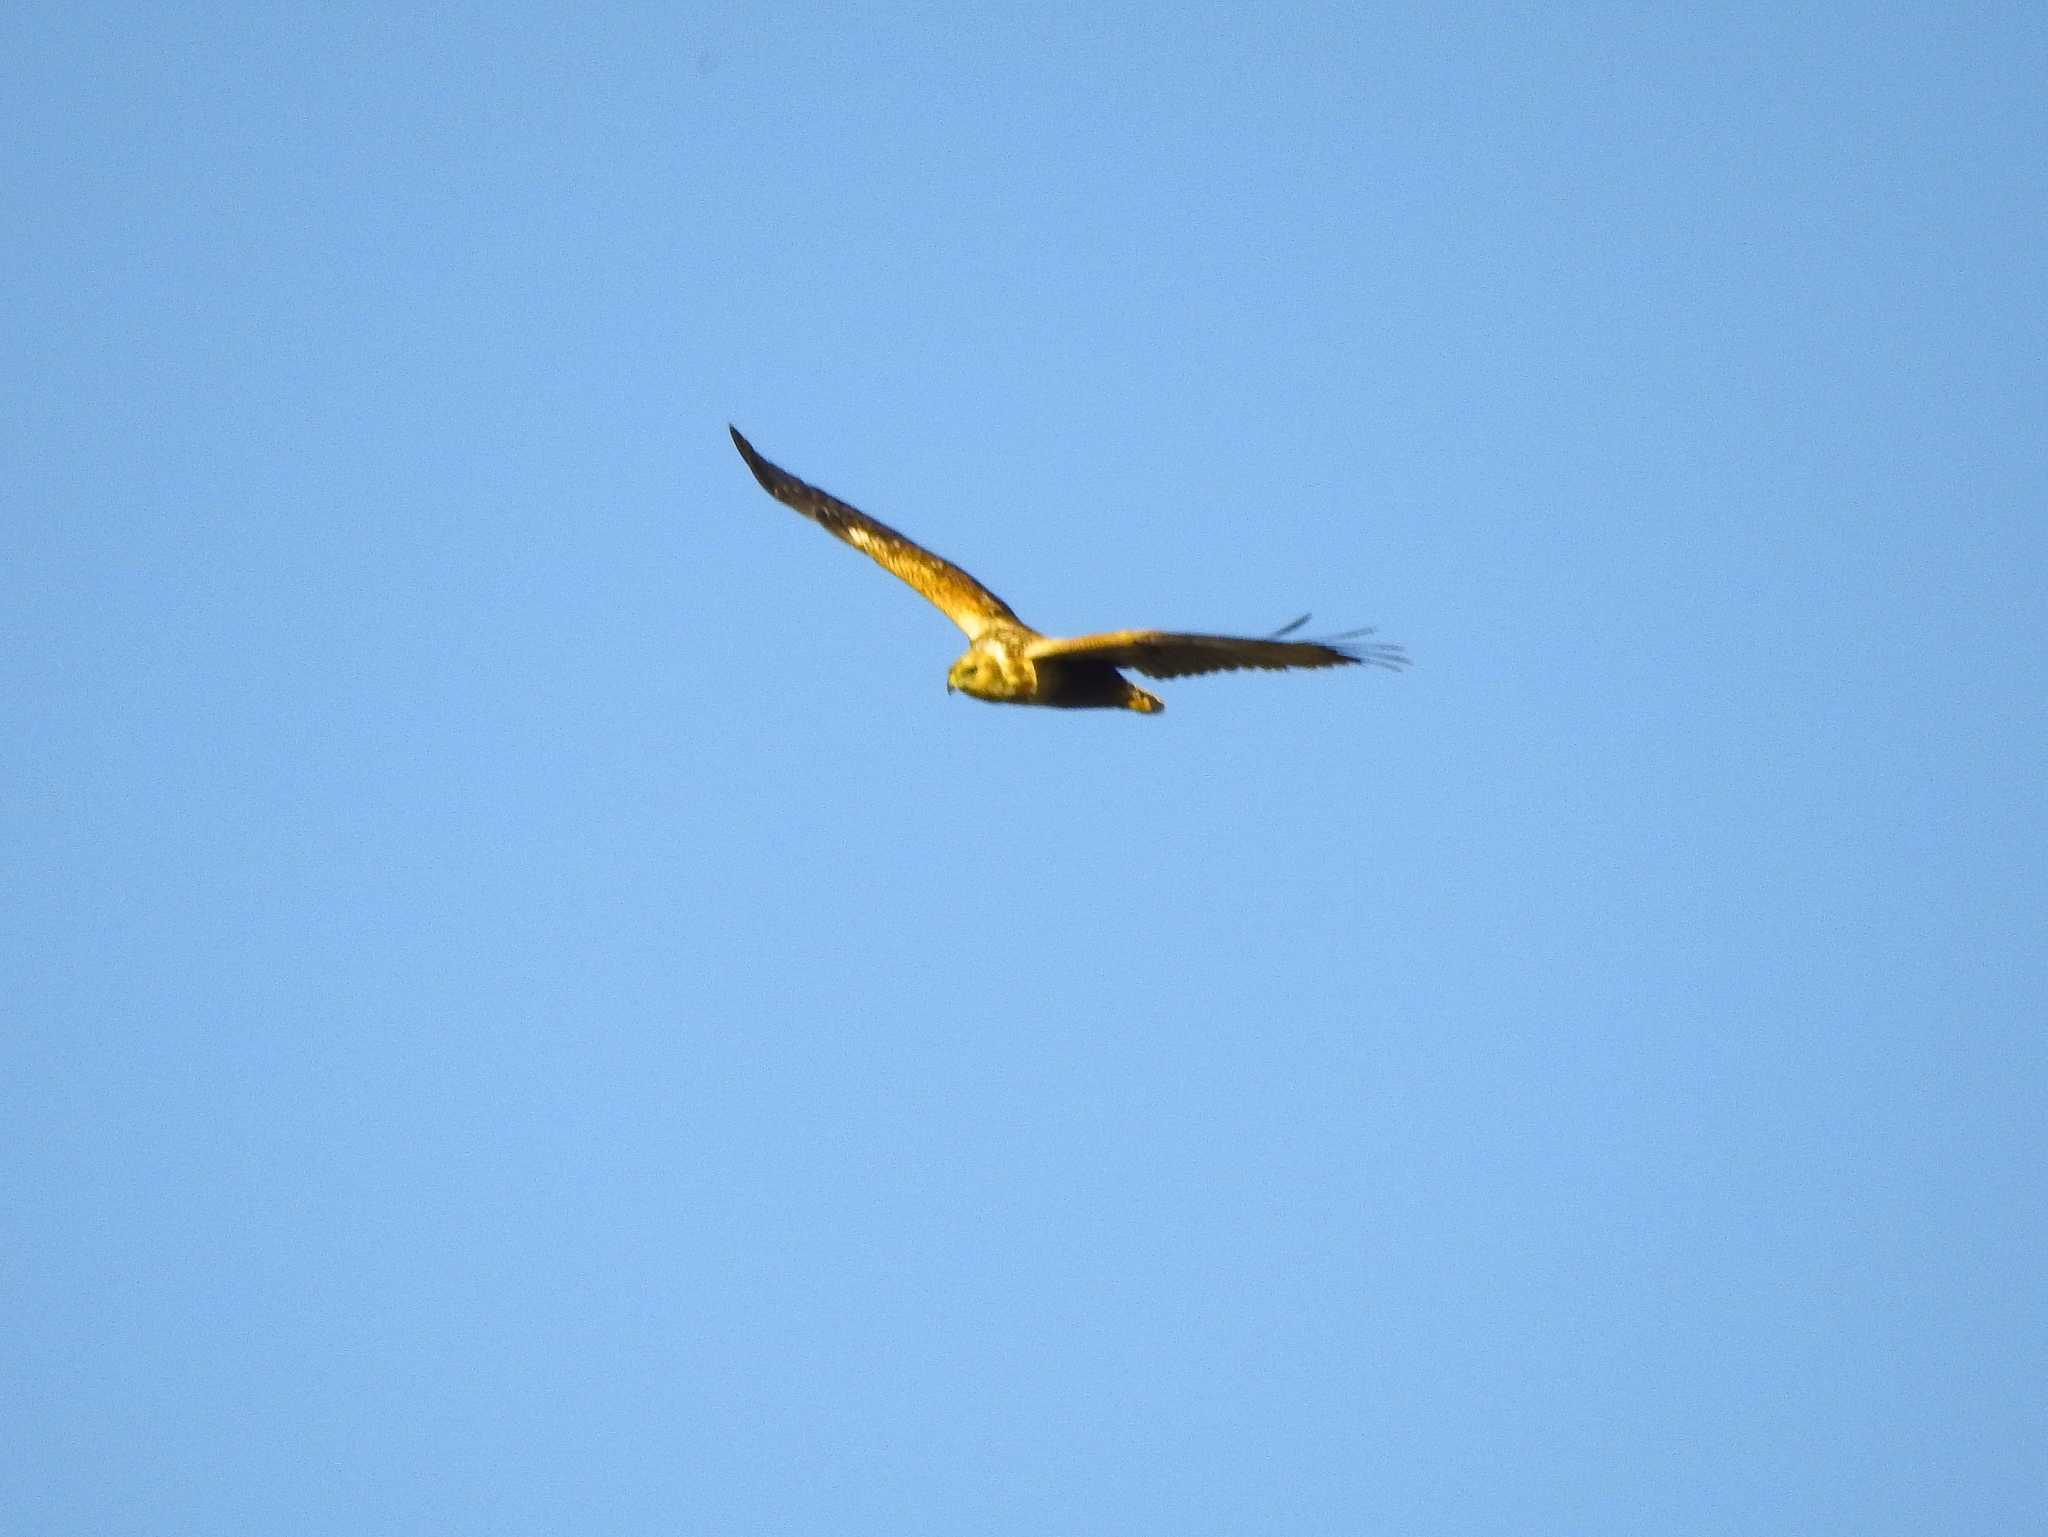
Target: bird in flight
[(1008, 662)]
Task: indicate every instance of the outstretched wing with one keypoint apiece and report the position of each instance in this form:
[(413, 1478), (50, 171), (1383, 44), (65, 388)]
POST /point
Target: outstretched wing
[(958, 596), (1168, 654)]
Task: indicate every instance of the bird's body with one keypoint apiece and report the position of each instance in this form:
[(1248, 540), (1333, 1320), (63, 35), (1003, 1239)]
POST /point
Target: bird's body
[(1000, 668), (1008, 662)]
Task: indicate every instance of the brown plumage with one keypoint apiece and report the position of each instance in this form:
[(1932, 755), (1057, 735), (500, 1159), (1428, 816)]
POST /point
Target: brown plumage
[(1008, 662)]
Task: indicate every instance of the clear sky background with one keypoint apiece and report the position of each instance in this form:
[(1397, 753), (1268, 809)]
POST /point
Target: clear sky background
[(528, 1009)]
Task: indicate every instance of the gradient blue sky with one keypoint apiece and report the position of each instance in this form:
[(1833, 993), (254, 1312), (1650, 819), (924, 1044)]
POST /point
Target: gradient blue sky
[(530, 1010)]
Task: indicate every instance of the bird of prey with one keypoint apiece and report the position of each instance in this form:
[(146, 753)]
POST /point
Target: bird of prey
[(1008, 662)]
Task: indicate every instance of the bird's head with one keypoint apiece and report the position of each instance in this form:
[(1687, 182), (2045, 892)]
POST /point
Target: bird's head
[(984, 676)]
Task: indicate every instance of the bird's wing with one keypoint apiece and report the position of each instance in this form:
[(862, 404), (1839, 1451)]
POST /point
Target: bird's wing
[(958, 596), (1167, 654)]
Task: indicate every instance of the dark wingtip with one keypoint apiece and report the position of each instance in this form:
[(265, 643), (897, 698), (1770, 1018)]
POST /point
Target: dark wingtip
[(1383, 654), (1350, 647), (762, 469)]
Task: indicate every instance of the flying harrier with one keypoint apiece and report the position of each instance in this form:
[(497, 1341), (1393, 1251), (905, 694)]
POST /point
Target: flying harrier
[(1008, 662)]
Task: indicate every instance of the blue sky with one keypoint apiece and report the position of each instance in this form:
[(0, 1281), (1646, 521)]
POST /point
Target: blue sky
[(531, 1010)]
